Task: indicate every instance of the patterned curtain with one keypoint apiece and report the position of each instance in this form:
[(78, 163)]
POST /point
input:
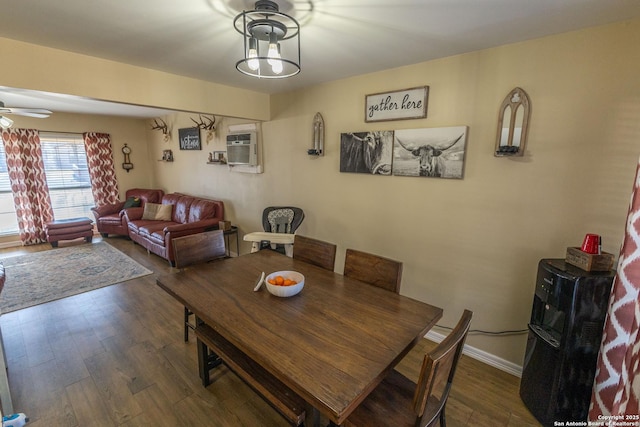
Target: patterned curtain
[(104, 184), (28, 183), (616, 389)]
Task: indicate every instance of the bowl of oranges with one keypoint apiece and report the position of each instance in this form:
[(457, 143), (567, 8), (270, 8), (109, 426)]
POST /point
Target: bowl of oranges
[(284, 283)]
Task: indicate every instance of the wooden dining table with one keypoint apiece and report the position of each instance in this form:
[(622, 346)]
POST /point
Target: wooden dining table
[(331, 344)]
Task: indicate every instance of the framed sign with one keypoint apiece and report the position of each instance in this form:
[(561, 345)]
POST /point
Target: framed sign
[(189, 139), (399, 105)]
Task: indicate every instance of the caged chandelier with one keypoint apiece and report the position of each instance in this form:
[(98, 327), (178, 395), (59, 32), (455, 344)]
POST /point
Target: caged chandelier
[(265, 31)]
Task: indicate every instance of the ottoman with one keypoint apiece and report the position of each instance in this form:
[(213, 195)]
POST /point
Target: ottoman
[(69, 229)]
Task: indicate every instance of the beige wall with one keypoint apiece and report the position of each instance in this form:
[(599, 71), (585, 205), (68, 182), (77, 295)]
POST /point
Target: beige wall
[(471, 243), (122, 130), (475, 243), (52, 70)]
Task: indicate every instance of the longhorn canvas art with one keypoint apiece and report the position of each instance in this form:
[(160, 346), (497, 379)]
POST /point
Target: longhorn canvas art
[(430, 152), (366, 152)]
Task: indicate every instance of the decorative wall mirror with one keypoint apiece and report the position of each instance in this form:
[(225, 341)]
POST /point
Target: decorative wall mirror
[(318, 136), (513, 124)]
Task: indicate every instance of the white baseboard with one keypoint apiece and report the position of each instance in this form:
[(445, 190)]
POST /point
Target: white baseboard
[(10, 244), (482, 356)]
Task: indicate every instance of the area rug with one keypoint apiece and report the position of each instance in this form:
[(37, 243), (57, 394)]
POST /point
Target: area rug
[(45, 276)]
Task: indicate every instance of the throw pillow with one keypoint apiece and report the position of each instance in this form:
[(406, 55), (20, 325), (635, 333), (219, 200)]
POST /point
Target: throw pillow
[(154, 211), (132, 202)]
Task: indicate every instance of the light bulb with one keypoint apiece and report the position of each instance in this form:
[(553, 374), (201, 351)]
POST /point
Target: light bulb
[(276, 65), (253, 62), (273, 54)]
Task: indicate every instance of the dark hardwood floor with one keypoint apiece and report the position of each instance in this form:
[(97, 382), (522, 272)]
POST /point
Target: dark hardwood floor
[(116, 357)]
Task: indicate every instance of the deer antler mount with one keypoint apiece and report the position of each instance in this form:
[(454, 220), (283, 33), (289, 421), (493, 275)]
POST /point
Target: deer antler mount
[(161, 125), (206, 123)]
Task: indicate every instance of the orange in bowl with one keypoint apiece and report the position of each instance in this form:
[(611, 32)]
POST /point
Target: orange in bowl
[(284, 283)]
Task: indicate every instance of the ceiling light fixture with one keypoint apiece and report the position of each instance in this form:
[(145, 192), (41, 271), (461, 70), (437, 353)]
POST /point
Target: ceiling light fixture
[(267, 30), (5, 122)]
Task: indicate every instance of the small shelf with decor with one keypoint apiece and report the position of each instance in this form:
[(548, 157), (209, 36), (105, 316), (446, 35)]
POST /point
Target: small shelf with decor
[(217, 158), (167, 156)]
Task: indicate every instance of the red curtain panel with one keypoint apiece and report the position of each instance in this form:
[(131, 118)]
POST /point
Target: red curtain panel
[(104, 184), (28, 183), (616, 388)]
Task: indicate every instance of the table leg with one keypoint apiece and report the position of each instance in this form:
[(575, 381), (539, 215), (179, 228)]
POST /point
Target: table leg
[(255, 247), (226, 237), (315, 417), (203, 362)]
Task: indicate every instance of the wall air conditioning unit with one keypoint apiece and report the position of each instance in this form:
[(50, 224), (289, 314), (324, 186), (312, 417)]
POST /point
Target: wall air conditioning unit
[(242, 149)]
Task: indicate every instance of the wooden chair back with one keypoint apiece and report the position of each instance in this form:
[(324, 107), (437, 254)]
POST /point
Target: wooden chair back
[(198, 248), (373, 269), (399, 402), (436, 375), (314, 251), (195, 249)]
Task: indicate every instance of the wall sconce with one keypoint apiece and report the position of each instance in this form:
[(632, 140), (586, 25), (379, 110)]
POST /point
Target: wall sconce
[(513, 124), (318, 136), (159, 124)]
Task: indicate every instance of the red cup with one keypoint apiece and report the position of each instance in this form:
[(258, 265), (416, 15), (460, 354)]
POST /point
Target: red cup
[(591, 244)]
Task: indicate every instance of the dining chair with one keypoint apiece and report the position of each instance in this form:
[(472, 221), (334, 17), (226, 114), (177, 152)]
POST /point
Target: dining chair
[(195, 249), (373, 269), (397, 401), (314, 251)]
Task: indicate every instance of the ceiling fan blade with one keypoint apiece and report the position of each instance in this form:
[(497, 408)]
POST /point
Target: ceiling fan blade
[(29, 112), (41, 115)]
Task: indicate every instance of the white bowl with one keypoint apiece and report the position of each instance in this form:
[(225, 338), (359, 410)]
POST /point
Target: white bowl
[(285, 291)]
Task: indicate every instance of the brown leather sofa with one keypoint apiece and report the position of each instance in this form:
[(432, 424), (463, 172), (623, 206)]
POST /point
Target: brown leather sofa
[(110, 218), (189, 215)]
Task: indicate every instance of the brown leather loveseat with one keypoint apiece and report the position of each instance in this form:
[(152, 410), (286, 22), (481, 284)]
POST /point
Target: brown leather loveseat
[(188, 215), (110, 218)]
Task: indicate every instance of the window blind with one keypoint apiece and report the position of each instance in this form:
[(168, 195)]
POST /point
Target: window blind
[(65, 165)]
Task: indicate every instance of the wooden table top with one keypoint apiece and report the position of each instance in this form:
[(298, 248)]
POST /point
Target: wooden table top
[(332, 343)]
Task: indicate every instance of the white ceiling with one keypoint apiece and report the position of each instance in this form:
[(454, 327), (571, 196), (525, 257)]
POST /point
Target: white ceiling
[(339, 38)]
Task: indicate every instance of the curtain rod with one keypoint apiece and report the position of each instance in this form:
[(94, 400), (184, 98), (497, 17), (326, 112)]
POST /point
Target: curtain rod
[(59, 131)]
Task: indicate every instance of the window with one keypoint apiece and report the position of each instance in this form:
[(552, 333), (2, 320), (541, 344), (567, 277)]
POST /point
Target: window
[(65, 165)]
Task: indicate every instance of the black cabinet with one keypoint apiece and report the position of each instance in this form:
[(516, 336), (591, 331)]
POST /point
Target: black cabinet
[(567, 318)]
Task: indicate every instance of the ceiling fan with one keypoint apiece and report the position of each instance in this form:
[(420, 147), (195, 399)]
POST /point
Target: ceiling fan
[(29, 112)]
